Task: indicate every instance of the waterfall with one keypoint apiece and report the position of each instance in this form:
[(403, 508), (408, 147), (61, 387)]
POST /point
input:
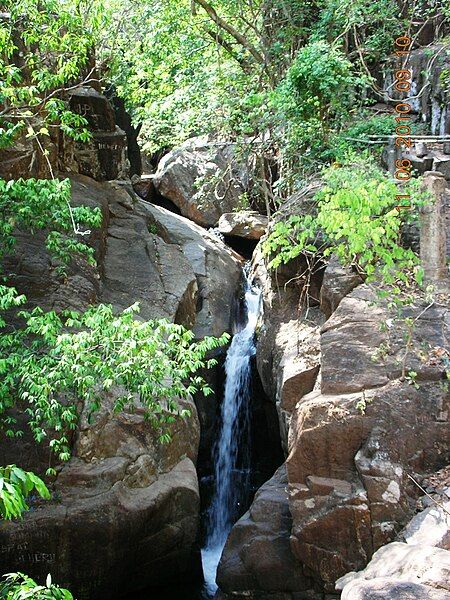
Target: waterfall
[(232, 450)]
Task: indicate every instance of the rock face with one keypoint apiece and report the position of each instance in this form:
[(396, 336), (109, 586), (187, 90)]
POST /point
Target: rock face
[(337, 530), (245, 224), (126, 507), (288, 349), (356, 429), (157, 274), (432, 103), (202, 179), (104, 157)]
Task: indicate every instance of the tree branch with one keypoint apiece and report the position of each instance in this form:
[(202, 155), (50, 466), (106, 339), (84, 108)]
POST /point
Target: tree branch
[(241, 39), (245, 65)]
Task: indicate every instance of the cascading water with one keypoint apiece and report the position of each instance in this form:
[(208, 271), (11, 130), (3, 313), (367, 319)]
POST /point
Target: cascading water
[(232, 450)]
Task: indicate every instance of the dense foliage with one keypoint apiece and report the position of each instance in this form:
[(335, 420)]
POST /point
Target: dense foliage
[(56, 360), (243, 69)]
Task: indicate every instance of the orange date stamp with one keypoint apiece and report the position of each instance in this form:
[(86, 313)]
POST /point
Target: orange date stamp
[(403, 139)]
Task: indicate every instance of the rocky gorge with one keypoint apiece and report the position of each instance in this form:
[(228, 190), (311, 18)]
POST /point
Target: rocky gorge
[(351, 455)]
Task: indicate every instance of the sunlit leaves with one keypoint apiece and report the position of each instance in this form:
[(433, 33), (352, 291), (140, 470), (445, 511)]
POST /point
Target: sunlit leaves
[(356, 219), (15, 487), (17, 586)]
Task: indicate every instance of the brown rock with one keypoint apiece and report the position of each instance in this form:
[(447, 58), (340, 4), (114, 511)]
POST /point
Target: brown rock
[(322, 486), (202, 179), (245, 224)]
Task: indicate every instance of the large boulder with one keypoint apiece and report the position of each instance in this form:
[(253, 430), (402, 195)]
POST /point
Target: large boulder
[(430, 527), (124, 513), (218, 275), (257, 555), (246, 224), (419, 568), (157, 273), (218, 270), (396, 563), (203, 179)]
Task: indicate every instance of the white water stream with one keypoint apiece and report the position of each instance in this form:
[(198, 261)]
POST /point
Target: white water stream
[(232, 450)]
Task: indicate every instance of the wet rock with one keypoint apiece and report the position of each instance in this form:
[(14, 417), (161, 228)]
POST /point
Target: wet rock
[(245, 224), (257, 555), (203, 179)]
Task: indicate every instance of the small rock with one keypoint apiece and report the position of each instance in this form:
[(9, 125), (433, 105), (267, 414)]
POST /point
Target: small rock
[(421, 149), (245, 224)]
